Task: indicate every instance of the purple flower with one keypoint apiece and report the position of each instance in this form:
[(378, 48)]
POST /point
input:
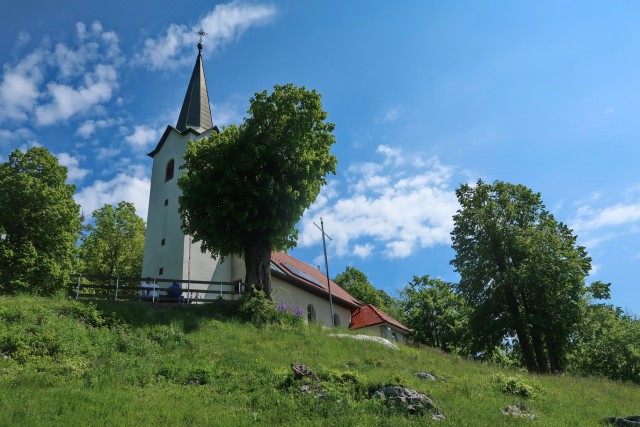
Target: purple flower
[(298, 312)]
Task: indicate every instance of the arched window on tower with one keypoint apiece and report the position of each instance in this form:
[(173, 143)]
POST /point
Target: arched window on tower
[(169, 171), (311, 313)]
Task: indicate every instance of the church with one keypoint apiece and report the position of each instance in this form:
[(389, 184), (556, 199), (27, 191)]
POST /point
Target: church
[(170, 255)]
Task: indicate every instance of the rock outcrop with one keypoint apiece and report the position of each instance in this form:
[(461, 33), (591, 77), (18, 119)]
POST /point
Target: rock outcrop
[(413, 401)]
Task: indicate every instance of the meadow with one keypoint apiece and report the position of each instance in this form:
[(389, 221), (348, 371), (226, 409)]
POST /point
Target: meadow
[(71, 363)]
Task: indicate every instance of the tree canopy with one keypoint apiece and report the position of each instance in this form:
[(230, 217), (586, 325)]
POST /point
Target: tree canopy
[(114, 245), (520, 270), (245, 188), (435, 312), (39, 223)]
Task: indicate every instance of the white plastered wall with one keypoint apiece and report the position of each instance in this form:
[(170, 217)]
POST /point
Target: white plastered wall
[(179, 258), (293, 296)]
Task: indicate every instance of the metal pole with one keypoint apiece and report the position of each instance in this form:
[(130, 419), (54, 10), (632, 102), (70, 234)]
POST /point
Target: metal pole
[(189, 274), (326, 264)]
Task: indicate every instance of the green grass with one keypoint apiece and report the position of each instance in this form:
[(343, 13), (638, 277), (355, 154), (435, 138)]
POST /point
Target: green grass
[(66, 363)]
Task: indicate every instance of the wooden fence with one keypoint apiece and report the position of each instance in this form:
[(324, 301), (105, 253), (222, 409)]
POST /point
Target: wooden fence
[(135, 289)]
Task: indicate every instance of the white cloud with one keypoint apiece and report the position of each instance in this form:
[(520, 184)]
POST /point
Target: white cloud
[(142, 136), (105, 153), (363, 251), (224, 24), (89, 127), (392, 156), (20, 134), (130, 186), (66, 101), (57, 81), (74, 172), (589, 218), (19, 87), (397, 209)]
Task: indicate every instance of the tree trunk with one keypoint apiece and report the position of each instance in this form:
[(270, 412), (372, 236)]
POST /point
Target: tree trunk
[(541, 354), (257, 262), (521, 331), (554, 356)]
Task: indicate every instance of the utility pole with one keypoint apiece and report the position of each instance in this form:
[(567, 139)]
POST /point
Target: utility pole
[(326, 265)]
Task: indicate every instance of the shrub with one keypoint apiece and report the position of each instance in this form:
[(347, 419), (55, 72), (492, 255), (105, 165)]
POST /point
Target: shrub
[(514, 385), (261, 311)]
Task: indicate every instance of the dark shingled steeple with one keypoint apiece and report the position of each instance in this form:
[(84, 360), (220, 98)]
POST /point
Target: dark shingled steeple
[(196, 112)]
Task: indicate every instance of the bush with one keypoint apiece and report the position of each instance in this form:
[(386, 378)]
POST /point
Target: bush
[(261, 311), (514, 385)]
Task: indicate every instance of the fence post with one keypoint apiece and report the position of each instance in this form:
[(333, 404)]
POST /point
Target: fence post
[(189, 290), (220, 289), (117, 285), (78, 288)]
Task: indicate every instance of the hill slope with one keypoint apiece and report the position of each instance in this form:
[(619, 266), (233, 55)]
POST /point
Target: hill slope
[(66, 363)]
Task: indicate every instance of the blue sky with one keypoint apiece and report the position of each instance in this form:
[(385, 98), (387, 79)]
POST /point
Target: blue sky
[(424, 95)]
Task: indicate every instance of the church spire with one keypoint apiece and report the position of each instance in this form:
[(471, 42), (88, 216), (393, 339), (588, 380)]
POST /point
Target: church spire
[(196, 112)]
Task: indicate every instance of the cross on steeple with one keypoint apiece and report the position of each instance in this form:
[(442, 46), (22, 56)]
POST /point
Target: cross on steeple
[(201, 33)]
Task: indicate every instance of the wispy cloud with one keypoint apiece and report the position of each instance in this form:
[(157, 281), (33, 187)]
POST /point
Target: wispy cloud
[(590, 218), (394, 207), (58, 81), (600, 218), (224, 24), (392, 114)]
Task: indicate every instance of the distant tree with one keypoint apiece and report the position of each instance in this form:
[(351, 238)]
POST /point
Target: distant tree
[(606, 344), (114, 244), (357, 284), (39, 223), (437, 314), (390, 305), (520, 270), (245, 188)]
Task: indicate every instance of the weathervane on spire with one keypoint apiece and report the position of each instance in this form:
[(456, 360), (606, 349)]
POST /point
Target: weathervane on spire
[(201, 33)]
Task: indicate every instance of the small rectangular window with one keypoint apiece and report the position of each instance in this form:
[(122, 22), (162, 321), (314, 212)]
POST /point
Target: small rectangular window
[(166, 202), (160, 271), (162, 242)]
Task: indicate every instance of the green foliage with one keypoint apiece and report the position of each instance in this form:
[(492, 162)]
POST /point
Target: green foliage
[(190, 366), (357, 284), (520, 270), (515, 385), (39, 223), (259, 310), (606, 344), (599, 290), (115, 243), (266, 171), (437, 314)]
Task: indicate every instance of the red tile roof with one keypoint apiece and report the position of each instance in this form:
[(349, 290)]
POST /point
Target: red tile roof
[(309, 278), (369, 315)]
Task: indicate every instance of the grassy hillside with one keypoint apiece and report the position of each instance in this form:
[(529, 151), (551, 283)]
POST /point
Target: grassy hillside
[(66, 363)]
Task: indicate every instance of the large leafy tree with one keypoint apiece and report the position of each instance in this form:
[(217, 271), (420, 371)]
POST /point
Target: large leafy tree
[(521, 270), (114, 243), (245, 188), (39, 223), (435, 312)]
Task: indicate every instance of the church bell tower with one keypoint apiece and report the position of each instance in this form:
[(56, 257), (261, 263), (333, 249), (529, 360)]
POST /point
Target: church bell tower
[(169, 254)]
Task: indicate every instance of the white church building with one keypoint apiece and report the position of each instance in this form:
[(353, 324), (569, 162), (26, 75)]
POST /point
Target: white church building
[(170, 255)]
